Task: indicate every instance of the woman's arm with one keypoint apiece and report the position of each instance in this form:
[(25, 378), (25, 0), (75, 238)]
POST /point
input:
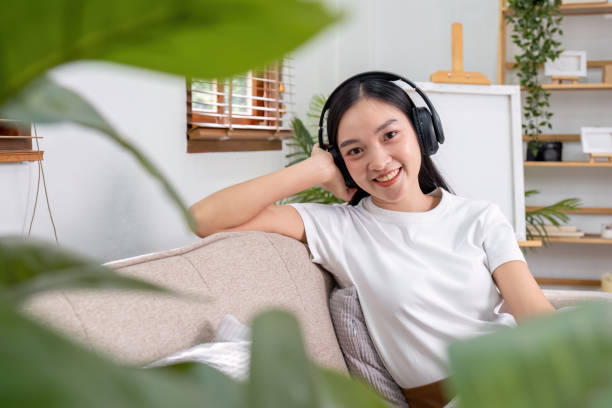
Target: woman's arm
[(250, 205), (520, 290)]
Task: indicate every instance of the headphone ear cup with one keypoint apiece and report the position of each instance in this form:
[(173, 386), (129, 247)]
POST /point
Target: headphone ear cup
[(348, 180), (424, 128)]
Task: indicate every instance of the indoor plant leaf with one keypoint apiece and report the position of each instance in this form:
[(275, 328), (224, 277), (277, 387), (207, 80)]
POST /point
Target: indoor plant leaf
[(558, 360), (31, 266), (281, 374), (44, 101), (197, 38), (338, 390), (41, 368)]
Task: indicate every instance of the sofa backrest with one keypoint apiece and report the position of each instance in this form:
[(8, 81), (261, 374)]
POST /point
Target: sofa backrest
[(243, 273)]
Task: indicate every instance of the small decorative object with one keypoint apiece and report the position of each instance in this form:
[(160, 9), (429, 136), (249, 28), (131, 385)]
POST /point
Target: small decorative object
[(606, 282), (568, 66), (596, 139), (547, 151), (606, 231), (551, 151)]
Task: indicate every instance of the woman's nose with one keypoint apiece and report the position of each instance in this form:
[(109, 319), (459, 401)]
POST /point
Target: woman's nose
[(379, 159)]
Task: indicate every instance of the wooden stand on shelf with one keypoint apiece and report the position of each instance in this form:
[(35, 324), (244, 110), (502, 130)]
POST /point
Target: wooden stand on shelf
[(606, 71), (558, 79), (457, 75), (607, 158)]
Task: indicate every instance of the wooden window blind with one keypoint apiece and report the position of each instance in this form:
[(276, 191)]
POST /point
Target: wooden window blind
[(252, 111)]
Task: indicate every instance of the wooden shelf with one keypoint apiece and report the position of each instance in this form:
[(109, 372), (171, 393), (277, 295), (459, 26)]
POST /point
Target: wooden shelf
[(555, 138), (530, 243), (590, 64), (17, 156), (565, 164), (587, 239), (583, 210), (580, 9), (576, 87), (568, 282)]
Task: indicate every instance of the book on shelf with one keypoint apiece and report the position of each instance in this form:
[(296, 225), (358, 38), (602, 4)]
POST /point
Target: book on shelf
[(554, 231)]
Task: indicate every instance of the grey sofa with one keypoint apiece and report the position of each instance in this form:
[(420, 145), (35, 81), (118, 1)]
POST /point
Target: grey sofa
[(241, 272)]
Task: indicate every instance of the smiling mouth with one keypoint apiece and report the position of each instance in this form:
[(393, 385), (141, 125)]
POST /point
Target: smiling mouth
[(390, 175)]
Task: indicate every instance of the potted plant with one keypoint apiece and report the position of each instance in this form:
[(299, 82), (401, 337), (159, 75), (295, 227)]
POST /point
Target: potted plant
[(304, 138), (555, 214), (535, 24)]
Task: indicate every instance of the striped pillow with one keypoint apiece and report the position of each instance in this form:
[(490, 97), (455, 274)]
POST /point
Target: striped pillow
[(360, 356)]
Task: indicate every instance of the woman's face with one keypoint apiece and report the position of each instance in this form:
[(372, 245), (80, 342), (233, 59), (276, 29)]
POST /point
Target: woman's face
[(381, 152)]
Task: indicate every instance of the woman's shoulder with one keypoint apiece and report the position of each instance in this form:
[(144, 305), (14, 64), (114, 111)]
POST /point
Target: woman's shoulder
[(470, 205)]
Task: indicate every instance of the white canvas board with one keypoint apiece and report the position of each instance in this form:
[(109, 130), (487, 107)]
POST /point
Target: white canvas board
[(481, 157), (596, 139), (569, 63)]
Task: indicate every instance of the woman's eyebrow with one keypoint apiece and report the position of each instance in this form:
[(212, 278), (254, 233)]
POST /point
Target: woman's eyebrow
[(378, 129), (384, 125)]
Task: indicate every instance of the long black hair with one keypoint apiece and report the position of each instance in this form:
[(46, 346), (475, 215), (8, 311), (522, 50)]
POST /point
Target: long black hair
[(385, 91)]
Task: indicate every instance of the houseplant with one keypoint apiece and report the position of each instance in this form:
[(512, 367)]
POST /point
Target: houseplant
[(305, 136), (554, 213), (535, 25)]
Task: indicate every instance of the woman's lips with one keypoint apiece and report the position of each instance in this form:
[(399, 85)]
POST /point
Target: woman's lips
[(391, 181)]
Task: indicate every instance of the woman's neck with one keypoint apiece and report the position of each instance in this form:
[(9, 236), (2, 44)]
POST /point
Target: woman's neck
[(418, 202)]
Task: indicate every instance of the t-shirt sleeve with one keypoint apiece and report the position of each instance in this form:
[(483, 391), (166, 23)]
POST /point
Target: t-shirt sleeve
[(500, 243), (324, 225)]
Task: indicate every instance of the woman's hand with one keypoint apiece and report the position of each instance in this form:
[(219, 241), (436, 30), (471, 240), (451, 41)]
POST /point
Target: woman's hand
[(333, 180)]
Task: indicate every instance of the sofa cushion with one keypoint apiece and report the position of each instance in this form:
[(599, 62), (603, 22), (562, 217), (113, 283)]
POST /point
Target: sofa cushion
[(241, 273), (359, 351)]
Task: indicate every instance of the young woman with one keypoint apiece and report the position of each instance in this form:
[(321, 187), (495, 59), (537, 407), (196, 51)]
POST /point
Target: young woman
[(428, 265)]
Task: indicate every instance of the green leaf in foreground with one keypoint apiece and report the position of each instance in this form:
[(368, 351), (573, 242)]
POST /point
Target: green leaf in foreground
[(31, 266), (43, 369), (44, 101), (282, 375), (559, 360), (196, 38)]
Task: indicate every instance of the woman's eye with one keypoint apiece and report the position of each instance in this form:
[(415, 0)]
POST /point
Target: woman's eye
[(391, 134), (353, 151)]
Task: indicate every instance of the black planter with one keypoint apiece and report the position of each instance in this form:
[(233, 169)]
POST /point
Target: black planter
[(548, 151)]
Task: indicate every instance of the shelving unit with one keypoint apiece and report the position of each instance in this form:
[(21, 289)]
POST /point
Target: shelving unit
[(16, 142), (17, 156), (502, 67), (566, 164)]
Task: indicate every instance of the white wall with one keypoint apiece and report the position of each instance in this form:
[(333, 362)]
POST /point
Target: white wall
[(104, 205), (103, 202)]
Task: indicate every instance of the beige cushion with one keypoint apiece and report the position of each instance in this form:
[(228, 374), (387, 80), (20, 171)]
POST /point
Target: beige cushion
[(243, 273)]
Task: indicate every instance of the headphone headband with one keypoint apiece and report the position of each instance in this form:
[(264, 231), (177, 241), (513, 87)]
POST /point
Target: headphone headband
[(389, 76)]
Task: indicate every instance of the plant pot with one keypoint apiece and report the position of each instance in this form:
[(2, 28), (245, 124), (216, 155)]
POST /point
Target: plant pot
[(530, 147)]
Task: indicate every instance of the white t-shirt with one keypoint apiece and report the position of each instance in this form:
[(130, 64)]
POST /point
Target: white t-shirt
[(424, 279)]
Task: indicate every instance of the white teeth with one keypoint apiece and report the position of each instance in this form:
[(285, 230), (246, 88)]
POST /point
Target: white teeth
[(388, 176)]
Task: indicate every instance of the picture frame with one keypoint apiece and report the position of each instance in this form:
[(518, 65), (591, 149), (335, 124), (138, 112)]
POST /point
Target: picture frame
[(596, 139), (569, 63)]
